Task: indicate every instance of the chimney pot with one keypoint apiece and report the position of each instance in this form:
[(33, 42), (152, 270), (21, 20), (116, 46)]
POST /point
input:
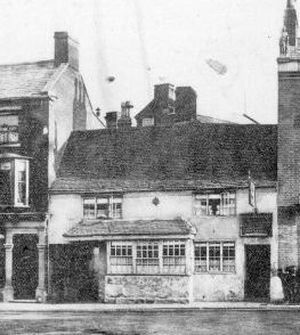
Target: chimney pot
[(125, 120)]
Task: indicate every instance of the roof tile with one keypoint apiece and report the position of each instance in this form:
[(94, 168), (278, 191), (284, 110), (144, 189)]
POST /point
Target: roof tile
[(130, 227)]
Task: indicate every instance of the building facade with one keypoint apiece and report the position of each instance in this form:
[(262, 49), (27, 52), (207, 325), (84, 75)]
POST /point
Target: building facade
[(40, 104), (288, 141), (162, 214)]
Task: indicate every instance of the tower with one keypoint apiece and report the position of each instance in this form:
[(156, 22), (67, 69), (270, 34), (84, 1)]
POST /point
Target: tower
[(289, 141)]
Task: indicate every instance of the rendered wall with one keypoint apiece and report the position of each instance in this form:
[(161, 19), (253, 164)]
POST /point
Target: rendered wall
[(66, 212), (230, 286)]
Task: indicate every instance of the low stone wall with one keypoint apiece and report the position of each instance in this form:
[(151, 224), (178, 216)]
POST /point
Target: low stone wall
[(147, 289)]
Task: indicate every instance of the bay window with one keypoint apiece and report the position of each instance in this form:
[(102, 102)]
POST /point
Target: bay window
[(215, 257), (121, 257), (173, 257), (103, 207), (147, 257), (214, 204), (14, 181)]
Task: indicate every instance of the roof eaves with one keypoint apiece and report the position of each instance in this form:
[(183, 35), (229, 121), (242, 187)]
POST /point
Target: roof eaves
[(42, 95)]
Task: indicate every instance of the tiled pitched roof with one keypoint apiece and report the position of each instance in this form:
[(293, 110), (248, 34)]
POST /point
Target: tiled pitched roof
[(186, 155), (208, 119), (132, 228), (26, 79)]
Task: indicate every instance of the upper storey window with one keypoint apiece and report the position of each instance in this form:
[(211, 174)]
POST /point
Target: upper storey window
[(148, 122), (103, 207), (215, 204), (14, 181), (9, 131)]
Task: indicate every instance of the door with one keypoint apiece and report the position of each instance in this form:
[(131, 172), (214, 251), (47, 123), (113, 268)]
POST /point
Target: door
[(258, 269), (25, 266)]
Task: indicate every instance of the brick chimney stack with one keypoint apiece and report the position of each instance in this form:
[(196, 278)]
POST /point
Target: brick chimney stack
[(125, 122), (186, 104), (66, 50), (164, 113), (111, 120)]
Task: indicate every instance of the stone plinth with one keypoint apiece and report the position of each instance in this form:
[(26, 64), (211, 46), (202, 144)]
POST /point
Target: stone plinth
[(147, 289)]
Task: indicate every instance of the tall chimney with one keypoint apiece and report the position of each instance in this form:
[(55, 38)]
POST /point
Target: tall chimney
[(186, 104), (164, 92), (163, 113), (111, 120), (125, 120), (66, 50)]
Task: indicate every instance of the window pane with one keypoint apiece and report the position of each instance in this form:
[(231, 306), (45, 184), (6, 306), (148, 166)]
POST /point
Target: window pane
[(174, 257), (214, 206), (228, 257), (147, 261), (89, 208), (121, 258), (9, 128), (200, 205), (20, 181), (214, 257), (228, 204), (201, 257)]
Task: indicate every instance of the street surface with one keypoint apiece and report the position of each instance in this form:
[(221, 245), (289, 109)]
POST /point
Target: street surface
[(186, 322)]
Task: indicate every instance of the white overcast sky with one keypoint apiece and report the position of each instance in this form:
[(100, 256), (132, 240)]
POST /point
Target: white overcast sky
[(145, 42)]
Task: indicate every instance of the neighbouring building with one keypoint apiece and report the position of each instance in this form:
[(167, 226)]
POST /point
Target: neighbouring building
[(40, 104), (172, 105), (161, 214), (289, 141)]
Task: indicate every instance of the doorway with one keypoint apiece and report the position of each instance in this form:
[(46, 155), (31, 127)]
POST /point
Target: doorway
[(25, 266), (258, 269)]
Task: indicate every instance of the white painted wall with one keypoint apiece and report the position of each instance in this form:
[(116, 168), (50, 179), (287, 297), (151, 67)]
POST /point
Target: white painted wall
[(219, 287), (65, 212), (171, 205)]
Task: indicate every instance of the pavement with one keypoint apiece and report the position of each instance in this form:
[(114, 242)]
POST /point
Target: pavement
[(99, 307)]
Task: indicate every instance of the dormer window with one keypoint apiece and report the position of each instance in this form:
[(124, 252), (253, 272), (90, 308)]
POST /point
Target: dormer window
[(9, 132), (103, 207), (14, 180)]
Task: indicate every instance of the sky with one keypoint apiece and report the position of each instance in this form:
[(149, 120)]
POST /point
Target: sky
[(146, 42)]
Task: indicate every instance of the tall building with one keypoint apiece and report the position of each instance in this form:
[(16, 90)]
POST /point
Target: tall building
[(40, 104), (289, 141)]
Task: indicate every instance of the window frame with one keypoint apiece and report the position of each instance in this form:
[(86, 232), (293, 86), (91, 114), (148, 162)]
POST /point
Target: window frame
[(227, 203), (112, 201), (148, 258), (228, 263), (15, 182), (7, 130), (148, 122)]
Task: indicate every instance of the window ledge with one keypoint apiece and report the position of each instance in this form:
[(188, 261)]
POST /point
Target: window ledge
[(215, 273), (11, 145), (215, 216), (150, 274)]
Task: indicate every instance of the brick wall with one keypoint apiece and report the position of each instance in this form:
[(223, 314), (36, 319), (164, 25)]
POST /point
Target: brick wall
[(288, 140), (34, 144), (288, 168)]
